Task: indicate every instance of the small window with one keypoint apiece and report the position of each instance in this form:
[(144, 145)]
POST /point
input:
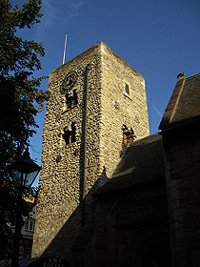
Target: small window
[(70, 133), (128, 135), (127, 90), (31, 226), (26, 225), (71, 99)]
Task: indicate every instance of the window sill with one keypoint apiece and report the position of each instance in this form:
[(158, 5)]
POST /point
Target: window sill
[(127, 95)]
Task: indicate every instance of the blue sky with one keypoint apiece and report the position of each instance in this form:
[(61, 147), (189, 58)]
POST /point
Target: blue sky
[(158, 38)]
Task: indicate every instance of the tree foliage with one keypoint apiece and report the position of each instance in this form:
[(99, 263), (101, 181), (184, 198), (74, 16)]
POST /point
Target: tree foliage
[(18, 88), (20, 95)]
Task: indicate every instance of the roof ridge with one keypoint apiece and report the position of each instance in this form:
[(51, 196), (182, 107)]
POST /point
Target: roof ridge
[(149, 138), (193, 76), (173, 102)]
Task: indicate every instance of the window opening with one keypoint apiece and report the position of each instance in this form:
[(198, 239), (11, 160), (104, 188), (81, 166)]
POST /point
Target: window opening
[(71, 99), (31, 226), (70, 133), (26, 225), (128, 135), (127, 90)]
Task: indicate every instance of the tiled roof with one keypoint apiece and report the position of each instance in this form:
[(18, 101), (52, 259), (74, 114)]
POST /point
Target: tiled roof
[(184, 103), (142, 163)]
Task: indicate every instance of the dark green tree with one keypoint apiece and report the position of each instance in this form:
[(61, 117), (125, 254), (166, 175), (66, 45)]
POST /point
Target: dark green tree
[(20, 97)]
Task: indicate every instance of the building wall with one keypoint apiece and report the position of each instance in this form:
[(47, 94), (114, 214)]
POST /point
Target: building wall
[(182, 177), (61, 164), (101, 75), (120, 108), (127, 227), (27, 234)]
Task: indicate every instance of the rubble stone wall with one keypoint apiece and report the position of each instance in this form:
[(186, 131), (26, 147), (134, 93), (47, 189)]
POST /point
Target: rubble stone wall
[(102, 75), (58, 211), (119, 107)]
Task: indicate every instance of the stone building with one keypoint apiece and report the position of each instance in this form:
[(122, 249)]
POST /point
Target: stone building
[(130, 218), (111, 195), (97, 107), (27, 232), (181, 142)]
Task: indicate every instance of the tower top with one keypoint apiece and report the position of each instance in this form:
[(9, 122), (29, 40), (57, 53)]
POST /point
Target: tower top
[(102, 47)]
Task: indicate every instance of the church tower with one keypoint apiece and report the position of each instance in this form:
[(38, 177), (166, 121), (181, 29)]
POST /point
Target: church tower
[(97, 106)]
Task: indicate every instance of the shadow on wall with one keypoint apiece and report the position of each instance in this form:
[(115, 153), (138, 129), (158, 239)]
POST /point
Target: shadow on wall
[(78, 229), (99, 233)]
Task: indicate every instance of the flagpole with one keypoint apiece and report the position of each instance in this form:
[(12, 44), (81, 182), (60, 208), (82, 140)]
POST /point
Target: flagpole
[(65, 47)]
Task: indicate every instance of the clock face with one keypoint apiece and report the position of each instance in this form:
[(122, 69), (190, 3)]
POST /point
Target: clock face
[(68, 82)]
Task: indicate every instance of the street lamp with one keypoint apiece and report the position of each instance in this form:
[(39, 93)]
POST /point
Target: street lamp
[(24, 172)]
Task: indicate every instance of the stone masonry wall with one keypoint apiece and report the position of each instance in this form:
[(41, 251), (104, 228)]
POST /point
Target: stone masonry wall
[(182, 177), (126, 225), (120, 108), (102, 75), (58, 211)]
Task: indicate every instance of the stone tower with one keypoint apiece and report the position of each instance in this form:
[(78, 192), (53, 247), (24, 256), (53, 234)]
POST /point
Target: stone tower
[(97, 106)]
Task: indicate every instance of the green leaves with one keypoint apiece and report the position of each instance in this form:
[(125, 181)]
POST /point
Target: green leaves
[(16, 53), (20, 95), (19, 90)]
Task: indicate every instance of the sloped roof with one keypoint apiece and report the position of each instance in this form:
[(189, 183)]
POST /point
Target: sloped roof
[(184, 103), (142, 163)]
